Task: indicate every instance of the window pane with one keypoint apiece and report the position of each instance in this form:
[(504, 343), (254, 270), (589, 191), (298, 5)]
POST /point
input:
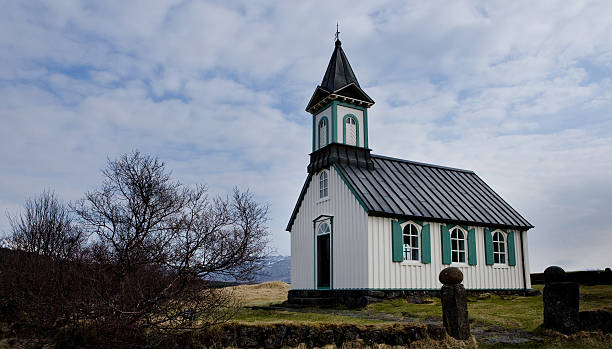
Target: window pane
[(406, 240), (455, 257), (462, 257), (462, 245), (415, 255), (453, 244), (454, 234), (414, 241), (501, 248), (495, 247), (503, 258)]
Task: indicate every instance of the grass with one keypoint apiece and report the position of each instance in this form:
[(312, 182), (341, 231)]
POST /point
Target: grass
[(513, 312)]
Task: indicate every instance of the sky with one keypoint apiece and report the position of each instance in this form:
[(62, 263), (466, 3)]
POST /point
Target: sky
[(519, 92)]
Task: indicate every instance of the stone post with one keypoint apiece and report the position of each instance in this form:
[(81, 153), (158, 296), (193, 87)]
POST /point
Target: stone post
[(454, 303), (561, 301)]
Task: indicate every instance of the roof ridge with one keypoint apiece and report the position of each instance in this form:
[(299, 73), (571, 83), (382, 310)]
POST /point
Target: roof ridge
[(422, 163)]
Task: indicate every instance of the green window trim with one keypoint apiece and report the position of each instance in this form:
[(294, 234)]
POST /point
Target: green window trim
[(426, 244), (396, 241), (334, 113), (471, 239), (365, 128), (356, 128), (489, 260), (326, 131), (329, 219), (511, 249), (446, 243), (314, 132)]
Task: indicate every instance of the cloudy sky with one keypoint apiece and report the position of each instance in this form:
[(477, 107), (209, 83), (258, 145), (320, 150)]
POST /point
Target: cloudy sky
[(519, 92)]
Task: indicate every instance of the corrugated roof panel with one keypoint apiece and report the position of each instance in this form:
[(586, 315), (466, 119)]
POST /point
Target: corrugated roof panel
[(410, 183), (400, 187), (410, 200)]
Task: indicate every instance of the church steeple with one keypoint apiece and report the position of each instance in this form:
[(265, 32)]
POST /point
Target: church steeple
[(339, 106), (339, 83)]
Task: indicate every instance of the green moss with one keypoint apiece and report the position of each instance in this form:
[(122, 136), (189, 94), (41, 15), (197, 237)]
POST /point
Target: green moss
[(269, 316)]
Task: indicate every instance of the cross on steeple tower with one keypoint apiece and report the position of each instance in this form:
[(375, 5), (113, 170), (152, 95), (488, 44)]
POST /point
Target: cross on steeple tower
[(337, 33)]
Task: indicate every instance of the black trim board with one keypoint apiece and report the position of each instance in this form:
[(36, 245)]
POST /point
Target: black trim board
[(299, 202)]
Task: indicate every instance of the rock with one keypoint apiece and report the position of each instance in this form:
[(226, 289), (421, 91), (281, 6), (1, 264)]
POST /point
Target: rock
[(454, 311), (554, 274), (596, 320), (451, 276), (483, 296), (561, 302)]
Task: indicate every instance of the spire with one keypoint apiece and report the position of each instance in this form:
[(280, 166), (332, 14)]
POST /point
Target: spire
[(339, 81), (339, 72)]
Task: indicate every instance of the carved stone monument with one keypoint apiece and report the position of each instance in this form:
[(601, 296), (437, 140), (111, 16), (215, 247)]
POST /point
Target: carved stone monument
[(454, 303), (561, 301)]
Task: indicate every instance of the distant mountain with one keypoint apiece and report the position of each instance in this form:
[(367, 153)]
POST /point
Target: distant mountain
[(275, 268)]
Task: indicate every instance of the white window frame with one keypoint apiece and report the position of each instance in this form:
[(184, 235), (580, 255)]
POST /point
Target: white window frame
[(504, 236), (323, 224), (465, 246), (350, 120), (418, 232), (323, 125), (323, 185)]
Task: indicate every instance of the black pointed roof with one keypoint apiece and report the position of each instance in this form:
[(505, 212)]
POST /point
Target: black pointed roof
[(339, 72), (339, 82)]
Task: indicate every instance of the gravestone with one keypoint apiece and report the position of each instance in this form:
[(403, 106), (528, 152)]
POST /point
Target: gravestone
[(454, 303), (561, 301)]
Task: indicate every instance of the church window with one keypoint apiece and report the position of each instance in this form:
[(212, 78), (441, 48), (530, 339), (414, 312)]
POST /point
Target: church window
[(411, 243), (458, 245), (350, 125), (324, 229), (323, 134), (499, 248), (323, 184)]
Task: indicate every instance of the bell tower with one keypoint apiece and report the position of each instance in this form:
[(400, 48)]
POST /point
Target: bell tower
[(339, 109)]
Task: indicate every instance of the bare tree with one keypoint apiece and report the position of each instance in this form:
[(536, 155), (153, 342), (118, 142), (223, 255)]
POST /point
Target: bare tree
[(159, 240), (46, 228), (39, 277)]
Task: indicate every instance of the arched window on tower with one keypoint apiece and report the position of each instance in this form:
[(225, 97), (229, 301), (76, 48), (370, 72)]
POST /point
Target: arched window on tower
[(350, 127), (323, 137)]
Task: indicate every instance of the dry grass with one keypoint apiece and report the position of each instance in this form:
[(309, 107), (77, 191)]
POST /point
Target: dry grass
[(263, 294)]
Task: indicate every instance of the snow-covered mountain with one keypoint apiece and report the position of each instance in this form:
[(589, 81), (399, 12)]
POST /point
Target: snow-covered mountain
[(275, 268)]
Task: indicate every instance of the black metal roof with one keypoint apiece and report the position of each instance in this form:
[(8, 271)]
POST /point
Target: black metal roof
[(339, 72), (408, 189), (339, 79)]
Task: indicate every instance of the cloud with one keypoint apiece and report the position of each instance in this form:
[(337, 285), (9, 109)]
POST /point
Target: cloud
[(518, 92)]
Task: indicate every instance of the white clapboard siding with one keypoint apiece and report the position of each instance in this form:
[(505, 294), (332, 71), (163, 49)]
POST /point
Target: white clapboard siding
[(386, 274), (349, 237)]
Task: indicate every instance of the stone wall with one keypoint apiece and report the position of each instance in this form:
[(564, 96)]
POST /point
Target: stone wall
[(310, 335), (361, 298)]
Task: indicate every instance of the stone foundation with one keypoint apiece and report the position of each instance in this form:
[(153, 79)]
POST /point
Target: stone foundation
[(361, 298)]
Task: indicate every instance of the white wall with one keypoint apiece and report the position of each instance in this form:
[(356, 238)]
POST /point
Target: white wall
[(342, 111), (349, 237), (386, 274)]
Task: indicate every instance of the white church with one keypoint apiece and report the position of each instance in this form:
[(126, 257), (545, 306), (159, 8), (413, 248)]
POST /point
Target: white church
[(366, 222)]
